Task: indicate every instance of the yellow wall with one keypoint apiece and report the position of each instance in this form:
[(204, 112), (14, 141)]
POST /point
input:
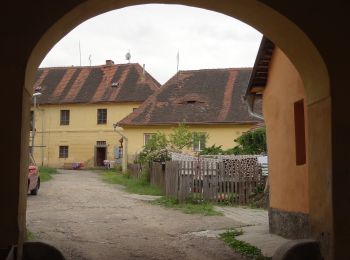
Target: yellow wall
[(288, 182), (83, 131), (80, 135), (218, 134)]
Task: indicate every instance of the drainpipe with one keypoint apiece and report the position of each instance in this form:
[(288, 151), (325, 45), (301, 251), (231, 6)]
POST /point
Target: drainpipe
[(42, 134), (125, 149), (249, 99)]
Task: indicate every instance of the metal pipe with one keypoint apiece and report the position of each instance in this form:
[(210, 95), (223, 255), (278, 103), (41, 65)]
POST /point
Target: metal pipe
[(33, 123), (249, 99), (33, 128), (42, 135)]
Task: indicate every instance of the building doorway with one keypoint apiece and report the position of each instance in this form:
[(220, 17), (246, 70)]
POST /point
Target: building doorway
[(100, 153)]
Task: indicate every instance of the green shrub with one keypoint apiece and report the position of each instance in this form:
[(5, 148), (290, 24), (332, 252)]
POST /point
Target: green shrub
[(252, 142), (155, 149), (212, 150), (241, 247)]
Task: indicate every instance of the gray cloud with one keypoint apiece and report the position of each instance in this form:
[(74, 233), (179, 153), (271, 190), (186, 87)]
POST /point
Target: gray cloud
[(154, 34)]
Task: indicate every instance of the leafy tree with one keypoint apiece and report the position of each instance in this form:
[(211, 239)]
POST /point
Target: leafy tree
[(212, 150), (155, 149), (252, 142), (235, 150), (181, 137)]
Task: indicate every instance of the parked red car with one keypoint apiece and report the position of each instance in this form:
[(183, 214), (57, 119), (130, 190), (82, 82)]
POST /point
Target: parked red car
[(33, 177)]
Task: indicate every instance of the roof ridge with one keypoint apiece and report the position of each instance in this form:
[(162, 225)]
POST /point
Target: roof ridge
[(93, 66), (216, 69)]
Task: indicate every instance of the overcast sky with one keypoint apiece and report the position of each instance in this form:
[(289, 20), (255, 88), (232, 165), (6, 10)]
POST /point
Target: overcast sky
[(154, 34)]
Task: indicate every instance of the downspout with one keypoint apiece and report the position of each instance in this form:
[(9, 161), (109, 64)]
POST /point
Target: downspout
[(249, 100), (42, 134)]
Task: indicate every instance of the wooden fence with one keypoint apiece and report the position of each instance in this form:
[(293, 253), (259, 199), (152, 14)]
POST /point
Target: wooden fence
[(212, 181), (157, 175), (134, 170), (231, 181)]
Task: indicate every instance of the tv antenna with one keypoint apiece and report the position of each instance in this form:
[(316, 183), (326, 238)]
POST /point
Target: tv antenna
[(79, 54), (128, 56), (90, 58), (177, 61)]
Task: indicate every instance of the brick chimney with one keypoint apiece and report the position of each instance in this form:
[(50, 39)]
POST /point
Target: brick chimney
[(109, 62)]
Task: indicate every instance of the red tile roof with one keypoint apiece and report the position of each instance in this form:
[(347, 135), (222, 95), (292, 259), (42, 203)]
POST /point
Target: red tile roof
[(197, 97), (94, 84)]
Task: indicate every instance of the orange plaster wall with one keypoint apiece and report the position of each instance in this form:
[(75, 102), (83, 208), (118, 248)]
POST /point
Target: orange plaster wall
[(288, 182)]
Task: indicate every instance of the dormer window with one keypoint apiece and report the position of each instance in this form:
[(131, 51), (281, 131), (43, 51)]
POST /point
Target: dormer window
[(115, 84), (190, 99)]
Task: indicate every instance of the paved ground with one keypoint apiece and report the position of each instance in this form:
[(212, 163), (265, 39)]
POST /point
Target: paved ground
[(256, 229), (89, 219)]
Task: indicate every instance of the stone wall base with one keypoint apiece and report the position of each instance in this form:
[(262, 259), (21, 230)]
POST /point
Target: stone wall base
[(293, 225)]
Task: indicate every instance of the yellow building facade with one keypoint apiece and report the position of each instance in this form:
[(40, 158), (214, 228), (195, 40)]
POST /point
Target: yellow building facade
[(223, 135), (83, 135), (76, 107), (209, 101)]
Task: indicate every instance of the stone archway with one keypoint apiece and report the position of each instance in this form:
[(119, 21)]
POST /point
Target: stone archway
[(279, 29)]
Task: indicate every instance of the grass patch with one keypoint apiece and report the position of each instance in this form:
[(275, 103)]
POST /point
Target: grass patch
[(139, 186), (190, 207), (30, 235), (241, 247), (46, 173)]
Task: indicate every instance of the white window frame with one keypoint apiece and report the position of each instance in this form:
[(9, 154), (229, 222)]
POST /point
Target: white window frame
[(194, 145), (149, 135)]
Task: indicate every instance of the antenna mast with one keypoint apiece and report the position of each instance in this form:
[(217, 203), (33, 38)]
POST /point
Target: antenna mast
[(128, 56), (79, 54), (177, 66), (178, 61)]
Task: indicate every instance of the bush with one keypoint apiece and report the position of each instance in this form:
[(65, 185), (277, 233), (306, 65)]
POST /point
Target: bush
[(252, 142), (155, 149), (212, 150)]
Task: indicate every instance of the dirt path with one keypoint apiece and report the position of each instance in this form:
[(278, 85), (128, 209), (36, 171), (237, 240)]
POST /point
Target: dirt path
[(89, 219)]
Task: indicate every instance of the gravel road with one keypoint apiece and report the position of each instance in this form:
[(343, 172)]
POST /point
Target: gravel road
[(89, 219)]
